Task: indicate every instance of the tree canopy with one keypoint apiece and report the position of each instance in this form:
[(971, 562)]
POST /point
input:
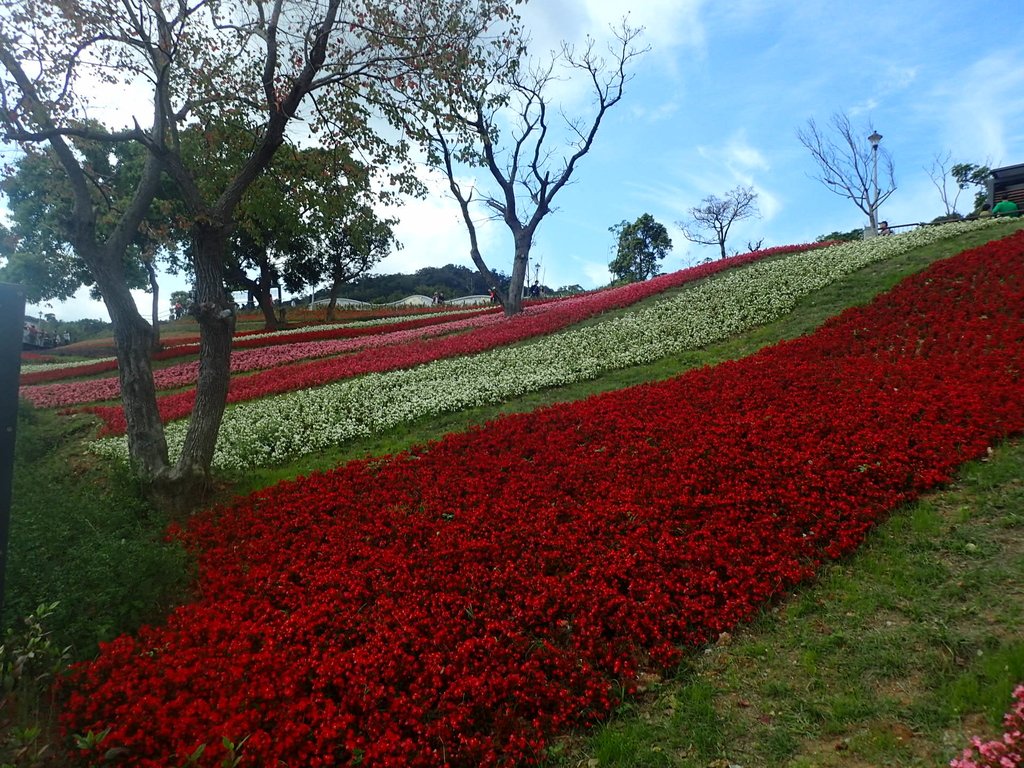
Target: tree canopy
[(38, 249), (641, 245), (320, 68)]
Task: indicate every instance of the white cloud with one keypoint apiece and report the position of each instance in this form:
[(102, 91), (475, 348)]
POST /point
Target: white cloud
[(432, 231), (769, 204), (668, 24), (596, 272), (984, 108), (741, 157), (865, 107), (655, 113)]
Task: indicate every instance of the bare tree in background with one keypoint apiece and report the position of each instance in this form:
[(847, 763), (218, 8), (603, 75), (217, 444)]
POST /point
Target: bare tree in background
[(710, 222), (504, 99), (846, 164), (964, 175)]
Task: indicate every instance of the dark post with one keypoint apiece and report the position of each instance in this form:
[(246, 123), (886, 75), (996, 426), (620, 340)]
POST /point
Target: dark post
[(12, 324)]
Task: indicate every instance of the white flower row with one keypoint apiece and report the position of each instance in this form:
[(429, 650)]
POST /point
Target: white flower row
[(281, 427), (34, 367)]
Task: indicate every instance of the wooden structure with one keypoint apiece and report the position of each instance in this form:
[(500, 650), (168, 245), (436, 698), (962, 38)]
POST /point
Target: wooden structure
[(1007, 183)]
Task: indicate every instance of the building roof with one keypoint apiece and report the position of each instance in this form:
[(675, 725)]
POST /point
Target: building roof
[(1009, 173)]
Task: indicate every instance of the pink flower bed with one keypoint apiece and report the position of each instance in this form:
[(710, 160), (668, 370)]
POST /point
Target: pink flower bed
[(251, 339), (536, 321), (462, 604), (1006, 752), (62, 394)]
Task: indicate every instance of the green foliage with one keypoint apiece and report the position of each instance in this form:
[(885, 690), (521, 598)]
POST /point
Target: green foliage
[(30, 661), (450, 279), (641, 245), (346, 249), (80, 533), (843, 237), (308, 219), (969, 175), (37, 248)]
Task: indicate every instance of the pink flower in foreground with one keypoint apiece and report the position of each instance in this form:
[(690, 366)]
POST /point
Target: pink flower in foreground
[(1007, 752)]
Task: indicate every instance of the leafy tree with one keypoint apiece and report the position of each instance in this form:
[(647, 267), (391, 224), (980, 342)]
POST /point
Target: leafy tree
[(502, 117), (259, 67), (38, 251), (181, 301), (715, 216), (844, 237), (342, 253), (570, 290), (288, 223), (967, 175), (641, 245), (846, 164), (963, 175)]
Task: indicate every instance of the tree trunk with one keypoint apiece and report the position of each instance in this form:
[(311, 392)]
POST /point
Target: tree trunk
[(514, 304), (333, 303), (133, 338), (266, 304), (216, 327), (155, 286)]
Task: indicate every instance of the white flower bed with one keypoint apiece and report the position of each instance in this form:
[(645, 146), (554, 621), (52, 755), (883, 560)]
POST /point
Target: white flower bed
[(277, 428)]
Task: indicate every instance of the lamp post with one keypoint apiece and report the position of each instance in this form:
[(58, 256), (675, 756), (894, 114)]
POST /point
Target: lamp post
[(874, 138)]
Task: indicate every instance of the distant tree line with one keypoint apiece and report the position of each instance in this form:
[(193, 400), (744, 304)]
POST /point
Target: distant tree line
[(452, 280)]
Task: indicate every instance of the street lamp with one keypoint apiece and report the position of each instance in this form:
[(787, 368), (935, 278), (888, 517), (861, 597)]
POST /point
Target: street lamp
[(875, 138)]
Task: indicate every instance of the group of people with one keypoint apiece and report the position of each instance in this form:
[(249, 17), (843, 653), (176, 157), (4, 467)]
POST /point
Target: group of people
[(438, 298), (34, 337), (1005, 207)]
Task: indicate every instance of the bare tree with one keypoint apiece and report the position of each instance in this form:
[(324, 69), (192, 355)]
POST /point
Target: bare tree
[(964, 175), (510, 102), (846, 163), (259, 67), (715, 217)]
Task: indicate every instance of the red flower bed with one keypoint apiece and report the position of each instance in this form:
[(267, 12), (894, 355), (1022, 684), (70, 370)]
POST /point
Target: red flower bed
[(459, 605), (36, 357), (548, 318)]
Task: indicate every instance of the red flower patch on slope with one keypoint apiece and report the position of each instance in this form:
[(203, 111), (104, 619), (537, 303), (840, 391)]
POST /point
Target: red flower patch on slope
[(460, 605)]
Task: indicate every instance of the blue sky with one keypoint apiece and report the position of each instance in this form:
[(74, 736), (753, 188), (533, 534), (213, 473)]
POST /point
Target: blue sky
[(717, 102)]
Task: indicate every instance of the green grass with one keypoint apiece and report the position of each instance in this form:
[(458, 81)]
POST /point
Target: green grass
[(888, 660), (81, 535)]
